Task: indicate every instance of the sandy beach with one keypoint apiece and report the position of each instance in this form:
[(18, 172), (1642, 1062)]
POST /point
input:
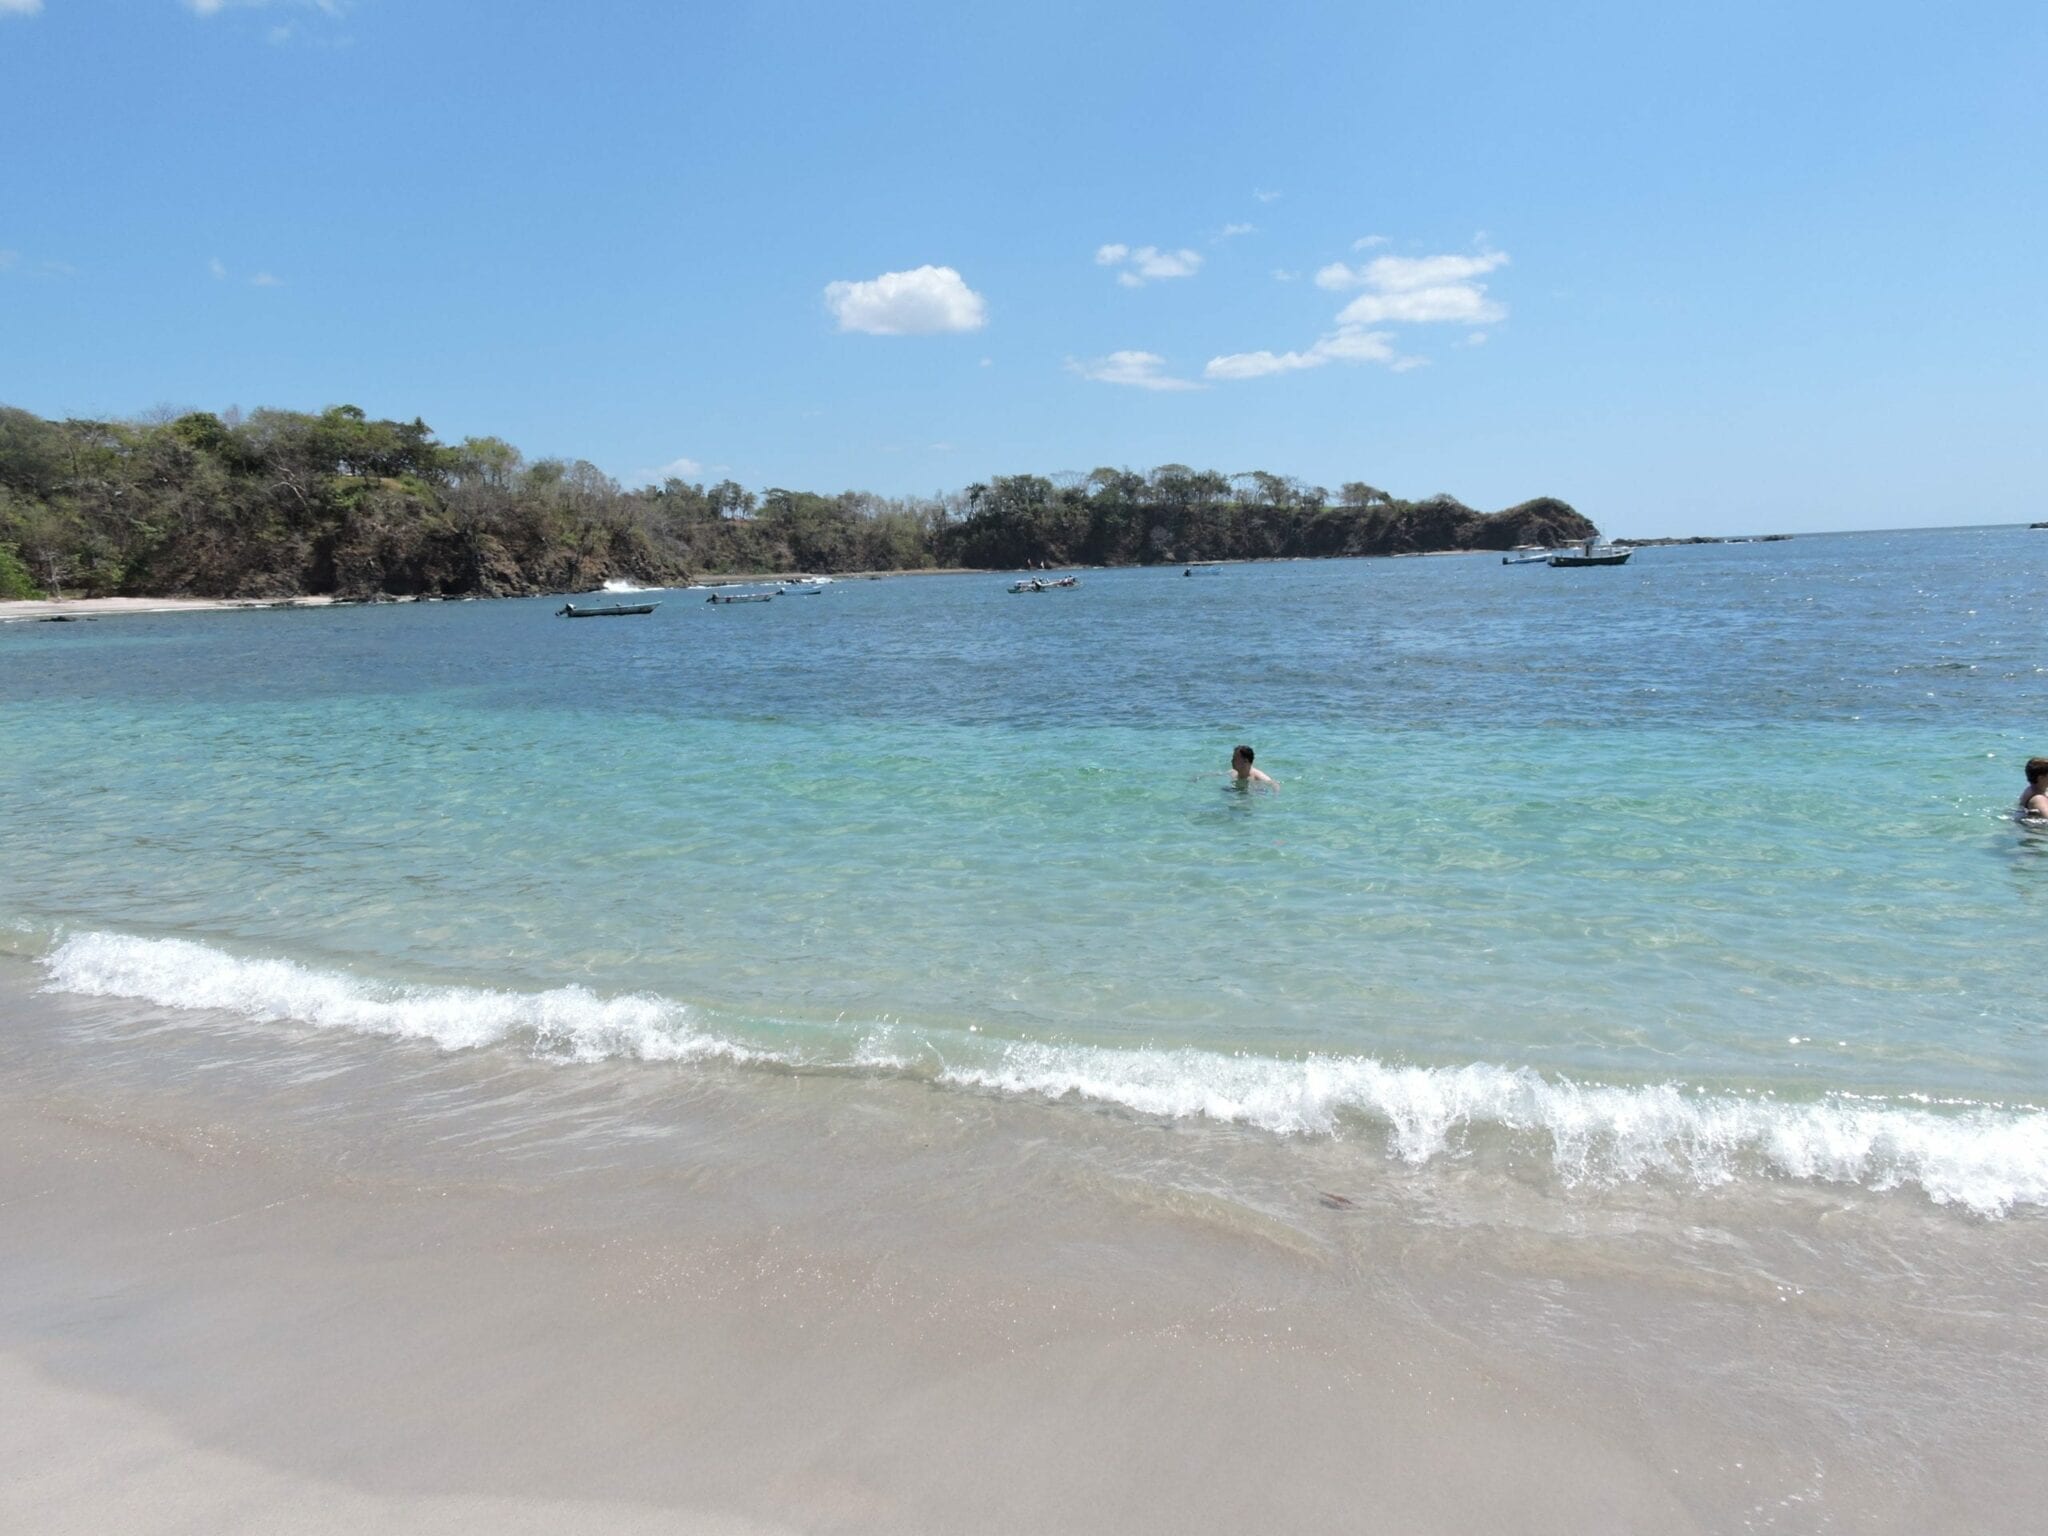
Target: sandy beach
[(15, 610), (317, 1283)]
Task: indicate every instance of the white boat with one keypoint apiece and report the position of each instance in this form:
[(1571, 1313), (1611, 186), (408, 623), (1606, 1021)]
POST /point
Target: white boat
[(1591, 552)]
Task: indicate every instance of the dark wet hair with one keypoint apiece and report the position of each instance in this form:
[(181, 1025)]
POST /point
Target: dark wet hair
[(1243, 752), (2036, 766)]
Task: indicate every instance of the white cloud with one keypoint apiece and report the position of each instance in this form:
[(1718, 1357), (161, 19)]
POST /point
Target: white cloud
[(988, 362), (1145, 263), (1230, 231), (1405, 274), (265, 280), (674, 469), (1456, 303), (1267, 197), (21, 7), (921, 302), (1347, 344), (1417, 290), (218, 268), (1152, 262), (1282, 275), (1369, 242), (1140, 370)]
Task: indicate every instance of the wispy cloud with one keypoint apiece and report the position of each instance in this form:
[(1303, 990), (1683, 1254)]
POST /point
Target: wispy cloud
[(49, 266), (1417, 290), (1147, 263), (1232, 231), (266, 280), (674, 469), (21, 7), (335, 8), (1399, 290), (1139, 370), (1347, 344), (218, 268), (1267, 197), (924, 301)]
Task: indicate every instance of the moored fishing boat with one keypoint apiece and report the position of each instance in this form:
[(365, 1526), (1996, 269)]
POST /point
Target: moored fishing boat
[(1591, 552), (613, 611), (1566, 562)]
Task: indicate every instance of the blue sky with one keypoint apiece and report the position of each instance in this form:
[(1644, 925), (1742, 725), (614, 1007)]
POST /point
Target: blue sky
[(1734, 268)]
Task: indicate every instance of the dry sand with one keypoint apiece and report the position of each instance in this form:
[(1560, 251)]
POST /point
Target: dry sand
[(14, 609)]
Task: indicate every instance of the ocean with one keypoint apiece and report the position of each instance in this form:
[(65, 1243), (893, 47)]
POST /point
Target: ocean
[(1693, 876)]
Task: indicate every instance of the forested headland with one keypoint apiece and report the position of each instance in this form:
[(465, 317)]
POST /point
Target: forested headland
[(287, 503)]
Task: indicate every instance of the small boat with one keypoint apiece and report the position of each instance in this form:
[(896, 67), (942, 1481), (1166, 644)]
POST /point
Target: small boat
[(801, 589), (1592, 552), (1572, 562), (615, 611), (743, 597), (1040, 584), (1537, 557)]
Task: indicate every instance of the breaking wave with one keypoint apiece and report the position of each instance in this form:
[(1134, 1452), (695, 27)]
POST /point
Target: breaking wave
[(1989, 1159), (568, 1022)]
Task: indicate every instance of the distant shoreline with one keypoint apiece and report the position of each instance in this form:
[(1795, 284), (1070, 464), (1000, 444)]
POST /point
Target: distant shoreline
[(31, 609), (24, 610)]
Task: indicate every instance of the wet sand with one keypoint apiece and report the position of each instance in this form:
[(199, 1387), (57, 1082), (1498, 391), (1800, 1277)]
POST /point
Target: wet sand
[(260, 1280)]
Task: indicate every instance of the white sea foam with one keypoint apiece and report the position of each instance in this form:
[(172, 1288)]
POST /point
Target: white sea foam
[(620, 584), (565, 1022), (1989, 1159)]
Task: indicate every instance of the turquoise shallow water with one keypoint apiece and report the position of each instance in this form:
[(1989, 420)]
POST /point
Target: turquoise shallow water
[(1725, 832)]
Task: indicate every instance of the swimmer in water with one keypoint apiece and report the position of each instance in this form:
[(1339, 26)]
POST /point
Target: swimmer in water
[(2034, 803), (1246, 775)]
